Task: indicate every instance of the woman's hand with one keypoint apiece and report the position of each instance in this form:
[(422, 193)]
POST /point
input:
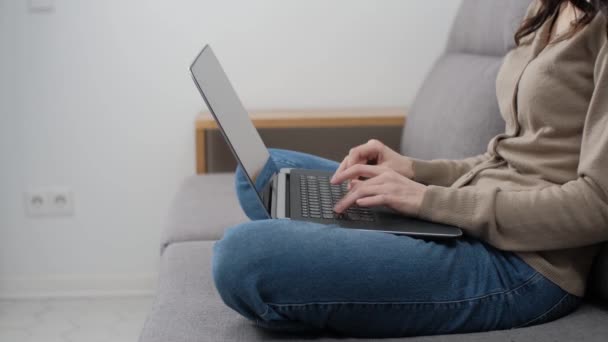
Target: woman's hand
[(376, 153), (383, 187)]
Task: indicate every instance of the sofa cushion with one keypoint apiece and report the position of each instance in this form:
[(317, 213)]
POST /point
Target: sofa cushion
[(204, 206), (188, 309), (457, 102)]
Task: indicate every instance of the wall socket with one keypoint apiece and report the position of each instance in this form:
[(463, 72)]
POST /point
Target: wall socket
[(49, 201)]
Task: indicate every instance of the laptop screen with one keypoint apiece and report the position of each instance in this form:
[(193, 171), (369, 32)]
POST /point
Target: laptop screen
[(232, 119)]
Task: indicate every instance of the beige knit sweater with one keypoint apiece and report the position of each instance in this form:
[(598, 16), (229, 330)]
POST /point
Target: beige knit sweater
[(541, 189)]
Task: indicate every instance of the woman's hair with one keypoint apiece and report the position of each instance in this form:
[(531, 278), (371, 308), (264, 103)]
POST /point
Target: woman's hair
[(590, 9)]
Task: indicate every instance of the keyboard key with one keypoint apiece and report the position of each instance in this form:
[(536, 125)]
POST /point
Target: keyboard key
[(353, 216)]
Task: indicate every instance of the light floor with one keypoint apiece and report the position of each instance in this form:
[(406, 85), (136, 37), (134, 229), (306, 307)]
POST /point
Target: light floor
[(73, 320)]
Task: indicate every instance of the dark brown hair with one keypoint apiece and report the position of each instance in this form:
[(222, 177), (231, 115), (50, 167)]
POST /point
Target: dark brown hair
[(548, 8)]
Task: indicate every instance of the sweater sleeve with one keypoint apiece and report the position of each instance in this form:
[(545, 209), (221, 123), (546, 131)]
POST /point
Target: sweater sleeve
[(444, 172), (563, 216)]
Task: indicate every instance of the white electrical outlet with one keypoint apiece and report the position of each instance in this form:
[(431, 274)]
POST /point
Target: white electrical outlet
[(35, 203), (61, 202), (49, 201)]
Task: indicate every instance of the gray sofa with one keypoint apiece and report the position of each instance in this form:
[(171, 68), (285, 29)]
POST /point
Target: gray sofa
[(458, 96)]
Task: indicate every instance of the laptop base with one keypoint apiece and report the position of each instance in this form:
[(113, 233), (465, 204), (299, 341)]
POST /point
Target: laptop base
[(384, 219)]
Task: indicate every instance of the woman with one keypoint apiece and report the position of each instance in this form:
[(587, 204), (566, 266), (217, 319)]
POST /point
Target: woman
[(534, 208)]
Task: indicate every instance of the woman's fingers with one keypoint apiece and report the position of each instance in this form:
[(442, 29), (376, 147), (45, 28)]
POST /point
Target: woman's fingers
[(357, 171), (363, 153), (380, 179), (385, 187), (361, 191), (373, 201), (340, 168), (352, 183)]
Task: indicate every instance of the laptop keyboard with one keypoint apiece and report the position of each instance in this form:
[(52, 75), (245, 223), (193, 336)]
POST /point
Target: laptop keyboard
[(318, 197)]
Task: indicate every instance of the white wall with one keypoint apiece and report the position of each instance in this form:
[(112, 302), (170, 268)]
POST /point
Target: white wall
[(10, 156), (96, 96)]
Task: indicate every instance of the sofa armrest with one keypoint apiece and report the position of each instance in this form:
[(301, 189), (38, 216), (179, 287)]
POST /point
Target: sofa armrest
[(327, 133)]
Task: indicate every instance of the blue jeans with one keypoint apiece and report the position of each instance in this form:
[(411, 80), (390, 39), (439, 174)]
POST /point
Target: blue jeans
[(303, 277)]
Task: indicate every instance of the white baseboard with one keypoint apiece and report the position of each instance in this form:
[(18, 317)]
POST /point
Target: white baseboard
[(86, 285)]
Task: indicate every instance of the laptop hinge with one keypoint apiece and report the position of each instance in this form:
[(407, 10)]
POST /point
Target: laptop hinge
[(267, 197), (288, 195)]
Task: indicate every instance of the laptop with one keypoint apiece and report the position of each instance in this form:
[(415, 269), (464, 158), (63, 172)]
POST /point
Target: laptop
[(290, 193)]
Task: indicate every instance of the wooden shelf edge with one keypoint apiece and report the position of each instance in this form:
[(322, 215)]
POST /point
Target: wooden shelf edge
[(346, 118), (316, 119)]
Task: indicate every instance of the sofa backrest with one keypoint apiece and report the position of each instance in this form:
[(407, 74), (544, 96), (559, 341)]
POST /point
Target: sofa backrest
[(457, 101)]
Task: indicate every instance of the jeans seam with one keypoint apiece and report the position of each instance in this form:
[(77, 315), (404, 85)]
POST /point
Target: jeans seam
[(266, 309), (526, 282), (545, 313)]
